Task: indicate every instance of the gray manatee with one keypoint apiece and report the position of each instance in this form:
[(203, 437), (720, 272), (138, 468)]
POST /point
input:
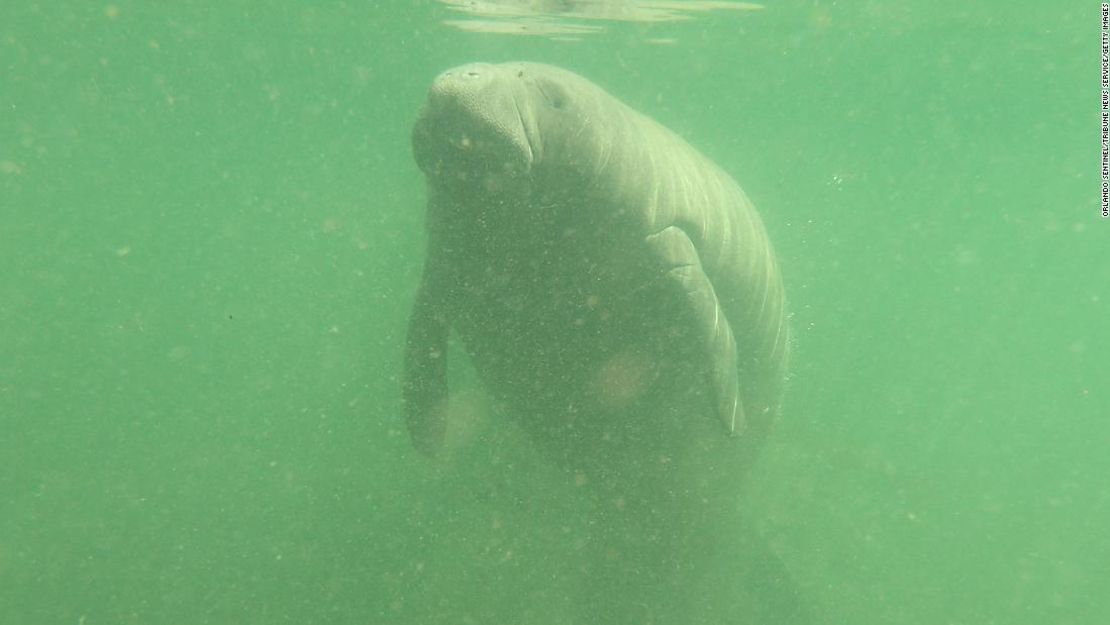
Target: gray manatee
[(584, 254), (620, 300)]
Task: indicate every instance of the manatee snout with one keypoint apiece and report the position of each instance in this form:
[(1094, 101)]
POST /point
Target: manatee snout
[(473, 124)]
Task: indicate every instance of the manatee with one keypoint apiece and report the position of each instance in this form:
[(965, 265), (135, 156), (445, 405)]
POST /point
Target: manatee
[(582, 252), (620, 301)]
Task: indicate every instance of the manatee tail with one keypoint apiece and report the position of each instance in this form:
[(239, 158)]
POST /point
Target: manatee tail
[(775, 594)]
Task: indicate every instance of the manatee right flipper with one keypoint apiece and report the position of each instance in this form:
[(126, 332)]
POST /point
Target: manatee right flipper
[(685, 280), (424, 388)]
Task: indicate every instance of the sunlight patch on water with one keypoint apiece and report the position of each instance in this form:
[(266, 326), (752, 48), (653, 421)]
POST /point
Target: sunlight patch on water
[(565, 19)]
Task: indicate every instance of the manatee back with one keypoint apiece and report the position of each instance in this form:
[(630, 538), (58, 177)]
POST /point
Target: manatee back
[(620, 160)]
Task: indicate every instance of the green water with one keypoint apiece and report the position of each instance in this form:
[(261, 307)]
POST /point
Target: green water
[(210, 234)]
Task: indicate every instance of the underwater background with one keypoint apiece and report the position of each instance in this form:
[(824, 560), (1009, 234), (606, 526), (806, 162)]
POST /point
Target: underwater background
[(211, 234)]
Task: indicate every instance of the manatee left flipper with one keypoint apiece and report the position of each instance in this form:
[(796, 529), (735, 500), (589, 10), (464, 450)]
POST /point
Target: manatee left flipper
[(424, 388), (686, 279)]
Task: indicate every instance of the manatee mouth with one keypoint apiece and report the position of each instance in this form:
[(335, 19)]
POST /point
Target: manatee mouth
[(459, 145), (473, 131)]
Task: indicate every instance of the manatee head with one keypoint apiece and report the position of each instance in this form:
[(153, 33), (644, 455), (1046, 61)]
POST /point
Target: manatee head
[(482, 124)]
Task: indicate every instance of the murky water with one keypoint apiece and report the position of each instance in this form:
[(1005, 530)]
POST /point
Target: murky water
[(212, 233)]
